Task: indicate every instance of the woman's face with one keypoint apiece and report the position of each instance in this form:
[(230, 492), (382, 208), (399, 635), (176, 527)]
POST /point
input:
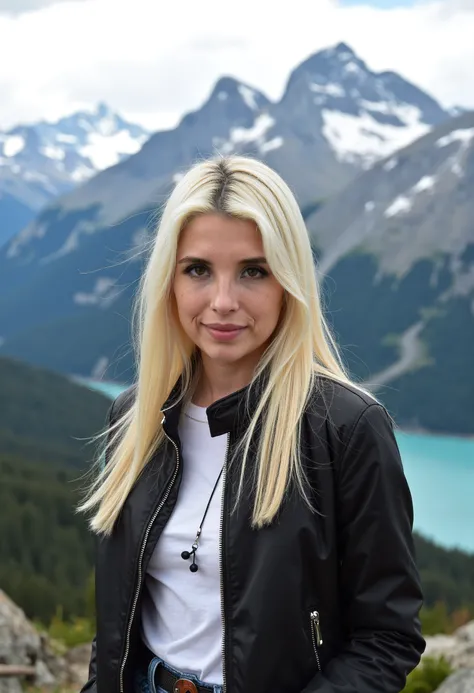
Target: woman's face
[(227, 299)]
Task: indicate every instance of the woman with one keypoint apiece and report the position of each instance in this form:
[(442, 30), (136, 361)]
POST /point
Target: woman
[(253, 516)]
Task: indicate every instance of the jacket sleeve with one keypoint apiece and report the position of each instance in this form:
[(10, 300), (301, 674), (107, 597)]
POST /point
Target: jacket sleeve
[(91, 686), (380, 588)]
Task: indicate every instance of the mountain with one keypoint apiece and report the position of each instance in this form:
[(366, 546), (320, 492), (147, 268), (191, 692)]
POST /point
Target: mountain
[(41, 161), (335, 118), (361, 115), (45, 417), (397, 250), (68, 278)]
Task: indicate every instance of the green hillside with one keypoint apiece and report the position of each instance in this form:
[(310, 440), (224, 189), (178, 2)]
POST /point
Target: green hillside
[(46, 551), (45, 417)]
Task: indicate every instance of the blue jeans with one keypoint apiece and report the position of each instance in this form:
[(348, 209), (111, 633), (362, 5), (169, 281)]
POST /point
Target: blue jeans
[(145, 680)]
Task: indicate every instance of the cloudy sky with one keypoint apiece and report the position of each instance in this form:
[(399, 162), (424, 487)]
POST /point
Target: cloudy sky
[(154, 61)]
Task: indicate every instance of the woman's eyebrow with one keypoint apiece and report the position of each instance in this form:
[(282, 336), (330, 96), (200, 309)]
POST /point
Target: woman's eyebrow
[(261, 260)]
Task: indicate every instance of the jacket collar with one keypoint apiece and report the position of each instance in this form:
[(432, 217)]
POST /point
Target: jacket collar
[(227, 415)]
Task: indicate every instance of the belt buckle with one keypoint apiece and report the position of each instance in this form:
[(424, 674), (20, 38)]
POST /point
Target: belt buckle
[(184, 686)]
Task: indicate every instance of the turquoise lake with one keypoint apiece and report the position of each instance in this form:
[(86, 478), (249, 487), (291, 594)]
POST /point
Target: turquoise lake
[(440, 472)]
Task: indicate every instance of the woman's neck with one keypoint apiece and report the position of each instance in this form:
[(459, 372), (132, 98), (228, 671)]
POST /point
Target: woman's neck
[(216, 381)]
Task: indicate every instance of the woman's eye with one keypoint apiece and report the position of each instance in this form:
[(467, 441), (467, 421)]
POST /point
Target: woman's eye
[(199, 271), (196, 270), (256, 272)]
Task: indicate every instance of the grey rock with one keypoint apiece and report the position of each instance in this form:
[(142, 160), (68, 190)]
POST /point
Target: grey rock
[(21, 644), (10, 686), (77, 660), (457, 649), (461, 681)]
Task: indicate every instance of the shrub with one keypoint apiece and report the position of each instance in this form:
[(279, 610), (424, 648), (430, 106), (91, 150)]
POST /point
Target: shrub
[(67, 633), (428, 676)]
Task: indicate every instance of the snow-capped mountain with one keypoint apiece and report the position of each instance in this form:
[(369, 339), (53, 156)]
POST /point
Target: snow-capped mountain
[(39, 162), (337, 124), (417, 203), (398, 246), (336, 118), (362, 115)]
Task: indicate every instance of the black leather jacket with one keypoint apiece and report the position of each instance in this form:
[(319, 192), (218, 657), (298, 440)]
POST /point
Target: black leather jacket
[(318, 602)]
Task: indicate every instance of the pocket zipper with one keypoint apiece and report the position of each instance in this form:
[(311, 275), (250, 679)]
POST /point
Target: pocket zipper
[(316, 634)]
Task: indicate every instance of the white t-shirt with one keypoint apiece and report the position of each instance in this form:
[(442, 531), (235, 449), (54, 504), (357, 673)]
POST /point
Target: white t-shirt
[(181, 613)]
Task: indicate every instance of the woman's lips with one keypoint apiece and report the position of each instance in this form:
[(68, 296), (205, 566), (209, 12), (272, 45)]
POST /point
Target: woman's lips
[(224, 333)]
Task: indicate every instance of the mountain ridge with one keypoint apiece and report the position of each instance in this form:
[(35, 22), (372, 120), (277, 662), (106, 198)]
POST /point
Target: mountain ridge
[(71, 288), (41, 161)]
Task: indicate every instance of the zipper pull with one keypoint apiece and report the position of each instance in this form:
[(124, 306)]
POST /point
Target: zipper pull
[(317, 628)]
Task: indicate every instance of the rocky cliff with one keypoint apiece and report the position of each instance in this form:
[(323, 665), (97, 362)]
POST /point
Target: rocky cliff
[(22, 646)]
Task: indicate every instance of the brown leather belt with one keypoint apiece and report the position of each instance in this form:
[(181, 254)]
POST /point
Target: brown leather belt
[(172, 684), (168, 681)]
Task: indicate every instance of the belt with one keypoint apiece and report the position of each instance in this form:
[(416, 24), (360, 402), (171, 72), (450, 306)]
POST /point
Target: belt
[(167, 680), (174, 684)]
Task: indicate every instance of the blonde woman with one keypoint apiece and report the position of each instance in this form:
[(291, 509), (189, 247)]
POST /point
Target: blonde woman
[(253, 516)]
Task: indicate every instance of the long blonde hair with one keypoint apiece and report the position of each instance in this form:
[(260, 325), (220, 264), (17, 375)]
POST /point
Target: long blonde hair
[(302, 348)]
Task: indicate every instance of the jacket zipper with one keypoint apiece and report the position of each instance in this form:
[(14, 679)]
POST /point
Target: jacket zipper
[(221, 570), (140, 560), (316, 635)]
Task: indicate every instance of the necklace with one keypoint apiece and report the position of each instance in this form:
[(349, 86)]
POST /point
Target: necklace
[(187, 554), (194, 419)]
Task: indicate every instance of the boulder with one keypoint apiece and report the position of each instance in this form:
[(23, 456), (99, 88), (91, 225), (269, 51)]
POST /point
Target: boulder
[(462, 681), (22, 645), (457, 648), (77, 661)]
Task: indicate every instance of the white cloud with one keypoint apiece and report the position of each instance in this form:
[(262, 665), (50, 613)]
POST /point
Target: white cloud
[(154, 61), (15, 7)]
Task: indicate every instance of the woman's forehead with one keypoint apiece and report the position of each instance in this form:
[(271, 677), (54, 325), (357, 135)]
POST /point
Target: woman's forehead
[(215, 232)]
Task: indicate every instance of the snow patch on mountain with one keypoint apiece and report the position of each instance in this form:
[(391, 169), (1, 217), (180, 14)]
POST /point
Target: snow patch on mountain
[(104, 150), (401, 204), (257, 134), (331, 89), (362, 139), (102, 294), (33, 230), (425, 183), (404, 203), (249, 96), (464, 135), (53, 152), (82, 172), (275, 143), (390, 164), (12, 145)]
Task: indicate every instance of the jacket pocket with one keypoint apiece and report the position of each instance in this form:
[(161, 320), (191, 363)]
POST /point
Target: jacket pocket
[(316, 635)]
